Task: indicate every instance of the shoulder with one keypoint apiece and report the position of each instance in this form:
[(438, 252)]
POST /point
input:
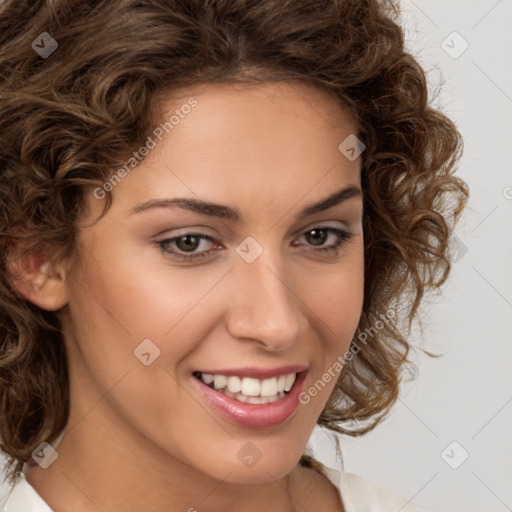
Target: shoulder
[(361, 495), (22, 497)]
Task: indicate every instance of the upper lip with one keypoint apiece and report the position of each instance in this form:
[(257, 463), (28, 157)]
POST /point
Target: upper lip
[(257, 373)]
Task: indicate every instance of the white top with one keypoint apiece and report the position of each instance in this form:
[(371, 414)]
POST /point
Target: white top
[(357, 495)]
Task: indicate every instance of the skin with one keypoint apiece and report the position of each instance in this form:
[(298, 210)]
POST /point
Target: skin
[(142, 437)]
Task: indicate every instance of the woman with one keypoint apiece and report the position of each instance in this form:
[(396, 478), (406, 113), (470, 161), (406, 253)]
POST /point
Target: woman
[(218, 222)]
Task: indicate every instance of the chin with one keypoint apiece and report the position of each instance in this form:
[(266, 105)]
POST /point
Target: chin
[(252, 466), (259, 474)]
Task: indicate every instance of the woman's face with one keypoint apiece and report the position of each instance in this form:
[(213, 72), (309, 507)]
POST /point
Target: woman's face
[(164, 289)]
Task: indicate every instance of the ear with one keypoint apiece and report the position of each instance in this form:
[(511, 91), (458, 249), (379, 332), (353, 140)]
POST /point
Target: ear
[(37, 279)]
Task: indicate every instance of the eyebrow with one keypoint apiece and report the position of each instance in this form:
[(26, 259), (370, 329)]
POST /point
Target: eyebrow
[(226, 212)]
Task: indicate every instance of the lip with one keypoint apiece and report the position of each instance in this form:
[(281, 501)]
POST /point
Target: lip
[(258, 373), (253, 415)]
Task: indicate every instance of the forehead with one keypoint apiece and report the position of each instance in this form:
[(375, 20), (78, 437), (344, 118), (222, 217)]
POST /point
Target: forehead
[(244, 130), (297, 98), (261, 144)]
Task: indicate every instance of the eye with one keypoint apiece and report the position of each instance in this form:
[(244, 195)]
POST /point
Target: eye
[(185, 247), (318, 235), (186, 243)]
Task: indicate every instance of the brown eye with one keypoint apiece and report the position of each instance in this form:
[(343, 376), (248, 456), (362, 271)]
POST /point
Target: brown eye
[(317, 236), (185, 245)]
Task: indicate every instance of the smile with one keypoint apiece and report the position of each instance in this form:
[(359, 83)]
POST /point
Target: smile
[(249, 401), (248, 389)]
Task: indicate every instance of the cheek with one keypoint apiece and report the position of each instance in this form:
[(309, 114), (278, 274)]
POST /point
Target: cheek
[(336, 297), (132, 294), (113, 309), (337, 301)]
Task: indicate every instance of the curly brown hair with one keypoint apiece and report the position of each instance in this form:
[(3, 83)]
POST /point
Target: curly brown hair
[(68, 120)]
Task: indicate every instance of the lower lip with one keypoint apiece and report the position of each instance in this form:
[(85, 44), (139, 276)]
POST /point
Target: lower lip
[(253, 415)]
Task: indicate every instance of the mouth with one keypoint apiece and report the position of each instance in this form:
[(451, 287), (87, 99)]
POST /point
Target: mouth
[(248, 389), (249, 401)]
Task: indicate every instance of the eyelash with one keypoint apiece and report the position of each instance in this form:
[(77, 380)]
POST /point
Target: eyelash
[(342, 235)]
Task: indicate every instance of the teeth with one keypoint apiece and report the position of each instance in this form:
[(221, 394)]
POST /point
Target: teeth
[(219, 381), (250, 390), (250, 387), (238, 396), (234, 384), (207, 378), (288, 381), (253, 399), (269, 387)]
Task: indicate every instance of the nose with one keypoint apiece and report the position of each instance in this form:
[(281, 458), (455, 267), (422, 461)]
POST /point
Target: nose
[(263, 305)]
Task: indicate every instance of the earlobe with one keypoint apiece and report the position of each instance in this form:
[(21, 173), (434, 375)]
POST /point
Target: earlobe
[(38, 281)]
